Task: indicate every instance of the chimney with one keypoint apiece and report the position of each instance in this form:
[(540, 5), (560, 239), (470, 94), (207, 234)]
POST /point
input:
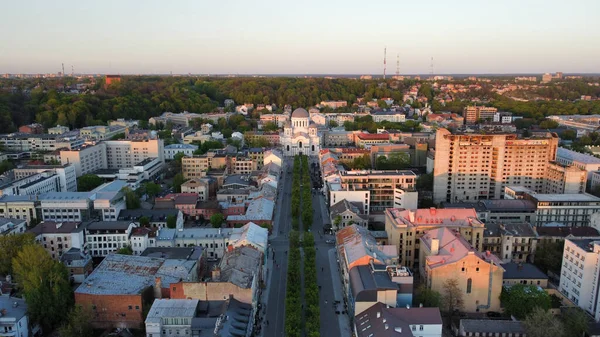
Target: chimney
[(398, 329), (157, 287), (435, 246), (216, 274), (408, 306), (432, 210), (378, 314), (58, 225), (420, 305)]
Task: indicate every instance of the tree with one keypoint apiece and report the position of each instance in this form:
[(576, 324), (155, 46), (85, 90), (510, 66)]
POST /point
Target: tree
[(127, 250), (519, 300), (569, 134), (548, 124), (171, 221), (548, 256), (177, 181), (45, 286), (132, 200), (270, 126), (10, 245), (78, 323), (452, 299), (393, 161), (118, 136), (333, 124), (88, 182), (425, 182), (217, 220), (575, 321), (6, 165), (542, 323), (337, 221), (144, 221), (152, 189), (428, 297)]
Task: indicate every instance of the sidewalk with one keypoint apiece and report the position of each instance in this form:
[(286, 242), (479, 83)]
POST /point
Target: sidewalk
[(338, 294)]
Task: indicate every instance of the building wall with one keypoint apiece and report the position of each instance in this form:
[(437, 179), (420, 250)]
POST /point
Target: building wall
[(127, 153), (481, 274), (387, 297), (210, 291), (86, 160), (543, 283), (25, 210), (579, 276), (113, 311)]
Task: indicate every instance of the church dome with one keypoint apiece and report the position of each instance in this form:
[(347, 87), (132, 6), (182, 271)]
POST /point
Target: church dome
[(300, 113)]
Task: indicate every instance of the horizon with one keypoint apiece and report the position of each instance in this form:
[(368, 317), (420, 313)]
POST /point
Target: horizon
[(313, 37)]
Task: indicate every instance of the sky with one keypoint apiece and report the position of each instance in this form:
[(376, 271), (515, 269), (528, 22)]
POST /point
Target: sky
[(299, 37)]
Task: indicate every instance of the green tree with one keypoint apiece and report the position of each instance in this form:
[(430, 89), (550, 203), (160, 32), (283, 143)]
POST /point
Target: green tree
[(217, 220), (333, 124), (425, 182), (171, 221), (88, 182), (576, 322), (132, 200), (78, 323), (337, 221), (270, 126), (519, 300), (118, 136), (452, 299), (45, 286), (393, 161), (542, 323), (548, 256), (569, 134), (428, 297), (127, 250), (144, 221), (177, 181), (152, 189), (10, 246), (6, 165), (548, 124)]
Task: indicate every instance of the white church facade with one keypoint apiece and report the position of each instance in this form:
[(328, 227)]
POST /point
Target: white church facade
[(301, 136)]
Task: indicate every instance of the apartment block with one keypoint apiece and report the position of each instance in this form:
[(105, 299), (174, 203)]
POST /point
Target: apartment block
[(583, 161), (85, 159), (474, 166), (101, 132), (510, 241), (58, 237), (573, 210), (25, 142), (66, 206), (106, 237), (473, 114), (67, 174), (406, 226), (10, 226), (567, 179), (579, 273), (127, 153), (173, 149), (22, 207), (445, 255), (196, 166)]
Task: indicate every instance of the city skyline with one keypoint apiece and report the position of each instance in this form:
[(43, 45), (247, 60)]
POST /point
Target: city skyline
[(299, 38)]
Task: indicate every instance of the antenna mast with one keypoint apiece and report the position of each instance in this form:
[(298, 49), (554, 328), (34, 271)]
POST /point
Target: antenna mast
[(72, 71), (63, 69), (397, 64), (384, 60), (431, 67)]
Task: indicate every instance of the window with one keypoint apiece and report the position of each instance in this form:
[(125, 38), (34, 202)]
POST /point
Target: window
[(469, 284)]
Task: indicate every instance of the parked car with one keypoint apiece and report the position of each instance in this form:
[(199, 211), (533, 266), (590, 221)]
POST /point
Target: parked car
[(330, 241)]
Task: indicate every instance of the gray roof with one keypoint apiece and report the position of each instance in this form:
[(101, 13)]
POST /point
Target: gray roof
[(4, 221), (365, 283), (172, 308), (51, 227), (522, 271), (494, 229), (576, 156), (108, 225), (179, 253), (508, 205), (585, 243), (368, 324), (152, 214), (8, 303), (491, 326), (563, 231), (239, 266), (345, 205)]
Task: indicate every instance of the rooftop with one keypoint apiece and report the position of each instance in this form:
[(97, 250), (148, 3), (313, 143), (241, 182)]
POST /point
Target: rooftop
[(171, 308), (585, 243), (15, 307), (522, 271), (571, 155), (373, 136), (51, 227), (65, 196), (178, 253), (434, 216), (355, 242), (181, 147), (365, 282), (563, 231), (240, 265), (509, 229), (381, 321), (153, 214), (375, 173), (492, 326), (572, 197), (108, 225)]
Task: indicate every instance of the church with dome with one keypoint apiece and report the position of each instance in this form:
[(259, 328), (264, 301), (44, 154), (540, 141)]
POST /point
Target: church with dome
[(300, 136)]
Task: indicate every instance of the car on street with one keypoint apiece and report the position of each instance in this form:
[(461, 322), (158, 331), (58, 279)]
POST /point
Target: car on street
[(330, 241)]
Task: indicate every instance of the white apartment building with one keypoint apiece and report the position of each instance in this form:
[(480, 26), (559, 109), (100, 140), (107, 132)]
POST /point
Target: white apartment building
[(25, 142), (584, 161), (390, 116), (197, 185), (580, 273), (66, 206), (85, 159), (19, 207), (58, 130), (14, 320), (10, 226), (67, 174), (476, 166), (173, 149), (58, 237), (32, 185), (127, 153), (101, 132), (106, 237), (109, 200), (171, 317)]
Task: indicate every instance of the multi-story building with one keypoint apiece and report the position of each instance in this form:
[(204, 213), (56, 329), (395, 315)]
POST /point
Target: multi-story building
[(242, 165), (338, 138), (127, 153), (583, 161), (106, 237), (32, 185), (445, 255), (510, 241), (500, 210), (24, 142), (200, 186), (524, 273), (10, 226), (474, 166), (78, 263), (172, 315), (277, 119), (406, 226), (101, 132), (58, 237), (19, 207), (334, 104), (258, 155), (85, 159), (567, 209), (377, 190), (66, 206), (367, 139), (184, 118), (34, 128), (58, 130), (389, 116), (173, 149), (567, 179), (347, 213), (196, 166), (473, 114), (67, 174), (579, 273), (14, 320), (381, 320)]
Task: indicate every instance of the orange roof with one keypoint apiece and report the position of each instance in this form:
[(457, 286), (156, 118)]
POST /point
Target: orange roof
[(370, 136)]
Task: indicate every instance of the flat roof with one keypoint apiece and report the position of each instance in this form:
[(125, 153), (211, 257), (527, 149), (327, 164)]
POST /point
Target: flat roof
[(51, 227), (108, 225), (179, 253), (492, 326), (172, 308), (378, 173), (8, 303), (576, 197), (513, 271), (567, 154)]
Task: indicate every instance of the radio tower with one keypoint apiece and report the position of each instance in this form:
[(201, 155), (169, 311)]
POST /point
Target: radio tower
[(72, 71), (431, 67), (384, 60), (397, 64), (63, 69)]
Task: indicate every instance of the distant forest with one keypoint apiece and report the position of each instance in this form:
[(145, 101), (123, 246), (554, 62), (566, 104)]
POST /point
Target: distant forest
[(140, 97)]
